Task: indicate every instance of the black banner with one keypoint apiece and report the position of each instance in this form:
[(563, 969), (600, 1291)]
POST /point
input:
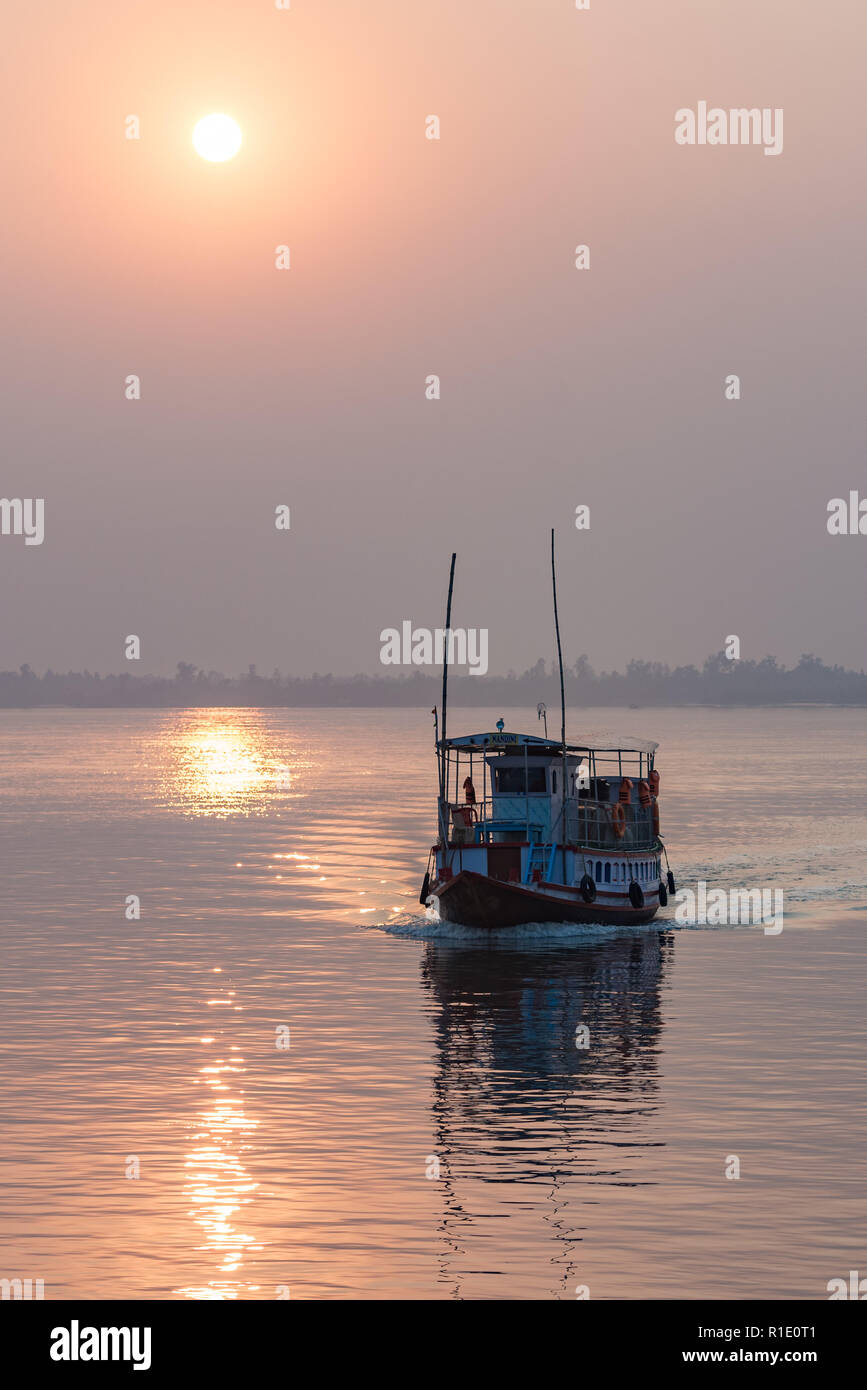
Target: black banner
[(152, 1338)]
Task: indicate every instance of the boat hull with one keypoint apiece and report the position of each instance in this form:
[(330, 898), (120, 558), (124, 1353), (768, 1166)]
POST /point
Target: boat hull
[(474, 900)]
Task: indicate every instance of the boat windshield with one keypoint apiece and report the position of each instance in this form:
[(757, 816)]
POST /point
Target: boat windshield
[(517, 782)]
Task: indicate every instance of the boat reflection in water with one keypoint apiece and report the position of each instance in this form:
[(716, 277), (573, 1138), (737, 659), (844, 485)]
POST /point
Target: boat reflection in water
[(531, 1125)]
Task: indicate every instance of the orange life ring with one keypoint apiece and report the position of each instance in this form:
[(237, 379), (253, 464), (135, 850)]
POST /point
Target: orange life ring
[(644, 793), (656, 817), (618, 819), (654, 782), (625, 789)]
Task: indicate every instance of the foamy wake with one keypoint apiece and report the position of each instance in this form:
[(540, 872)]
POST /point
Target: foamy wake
[(427, 926)]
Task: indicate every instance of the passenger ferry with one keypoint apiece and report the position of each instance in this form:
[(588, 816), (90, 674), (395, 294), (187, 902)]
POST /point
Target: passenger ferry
[(532, 831), (536, 829)]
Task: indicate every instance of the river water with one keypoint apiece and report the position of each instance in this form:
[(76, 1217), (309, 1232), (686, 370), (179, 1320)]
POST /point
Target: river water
[(283, 1079)]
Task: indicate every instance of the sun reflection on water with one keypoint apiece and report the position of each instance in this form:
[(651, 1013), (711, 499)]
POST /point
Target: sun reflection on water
[(222, 764), (218, 1184)]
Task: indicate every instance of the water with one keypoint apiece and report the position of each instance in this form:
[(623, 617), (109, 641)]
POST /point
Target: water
[(277, 856)]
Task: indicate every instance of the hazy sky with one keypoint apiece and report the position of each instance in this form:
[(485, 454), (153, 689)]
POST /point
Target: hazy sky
[(412, 257)]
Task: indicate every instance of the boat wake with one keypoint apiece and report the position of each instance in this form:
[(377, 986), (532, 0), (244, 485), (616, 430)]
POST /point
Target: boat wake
[(827, 879), (426, 926)]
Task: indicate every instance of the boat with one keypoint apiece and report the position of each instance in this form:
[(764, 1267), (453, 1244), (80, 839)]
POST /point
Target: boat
[(536, 829)]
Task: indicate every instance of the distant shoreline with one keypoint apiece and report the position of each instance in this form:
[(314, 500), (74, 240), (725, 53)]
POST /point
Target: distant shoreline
[(717, 684)]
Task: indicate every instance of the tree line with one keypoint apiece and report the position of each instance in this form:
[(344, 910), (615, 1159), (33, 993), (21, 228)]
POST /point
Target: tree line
[(718, 682)]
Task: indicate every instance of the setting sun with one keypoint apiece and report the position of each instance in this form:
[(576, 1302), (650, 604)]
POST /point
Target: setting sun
[(217, 137)]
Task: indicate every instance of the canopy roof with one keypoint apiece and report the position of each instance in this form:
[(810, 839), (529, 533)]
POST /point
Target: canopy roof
[(599, 744)]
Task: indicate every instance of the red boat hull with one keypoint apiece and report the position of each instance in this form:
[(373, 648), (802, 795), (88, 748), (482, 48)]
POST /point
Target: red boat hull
[(476, 901)]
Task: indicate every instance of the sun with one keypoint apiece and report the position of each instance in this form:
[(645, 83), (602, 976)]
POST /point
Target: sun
[(217, 137)]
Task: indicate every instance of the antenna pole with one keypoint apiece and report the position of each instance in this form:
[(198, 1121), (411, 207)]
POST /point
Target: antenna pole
[(562, 693)]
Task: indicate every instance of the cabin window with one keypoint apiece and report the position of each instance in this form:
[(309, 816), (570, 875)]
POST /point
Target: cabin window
[(553, 781), (510, 780), (598, 870), (607, 873)]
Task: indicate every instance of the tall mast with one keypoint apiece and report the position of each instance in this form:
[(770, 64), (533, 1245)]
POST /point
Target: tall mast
[(562, 686), (559, 651), (446, 678)]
